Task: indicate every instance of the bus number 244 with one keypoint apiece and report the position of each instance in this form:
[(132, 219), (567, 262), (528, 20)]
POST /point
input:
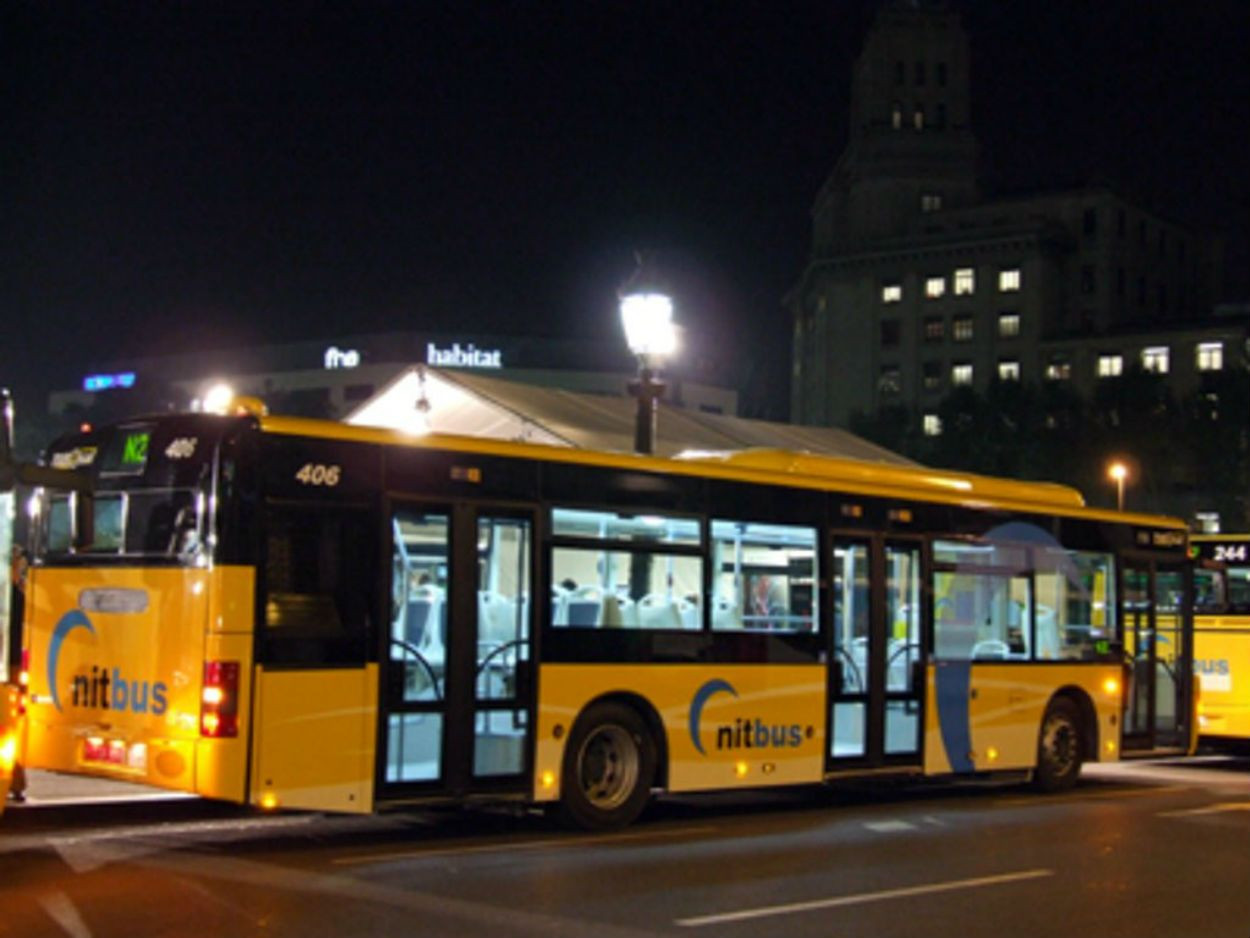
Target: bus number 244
[(315, 473)]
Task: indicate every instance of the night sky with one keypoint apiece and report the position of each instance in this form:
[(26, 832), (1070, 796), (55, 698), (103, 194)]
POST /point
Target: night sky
[(178, 174)]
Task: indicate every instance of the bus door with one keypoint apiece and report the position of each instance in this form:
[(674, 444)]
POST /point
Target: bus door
[(1158, 657), (876, 664), (457, 693)]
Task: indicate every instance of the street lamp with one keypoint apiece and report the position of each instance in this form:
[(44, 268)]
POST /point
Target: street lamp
[(1118, 472), (647, 315)]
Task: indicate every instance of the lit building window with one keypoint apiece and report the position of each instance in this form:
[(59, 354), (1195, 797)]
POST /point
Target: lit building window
[(935, 287), (932, 425), (961, 374), (896, 116), (934, 328), (965, 281), (930, 202), (1209, 356), (961, 328), (1058, 371), (1008, 370), (1009, 280), (1008, 325), (892, 293), (918, 118), (1155, 359), (1110, 366)]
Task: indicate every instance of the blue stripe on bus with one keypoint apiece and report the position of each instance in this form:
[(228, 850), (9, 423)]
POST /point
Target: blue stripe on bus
[(954, 684)]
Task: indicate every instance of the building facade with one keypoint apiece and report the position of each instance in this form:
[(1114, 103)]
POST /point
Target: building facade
[(917, 285)]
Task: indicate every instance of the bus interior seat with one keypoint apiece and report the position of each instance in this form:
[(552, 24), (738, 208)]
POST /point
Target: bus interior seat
[(657, 611), (725, 613), (689, 612), (991, 649), (585, 606), (559, 606)]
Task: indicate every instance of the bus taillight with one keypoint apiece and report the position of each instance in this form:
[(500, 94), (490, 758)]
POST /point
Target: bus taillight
[(23, 683), (219, 700)]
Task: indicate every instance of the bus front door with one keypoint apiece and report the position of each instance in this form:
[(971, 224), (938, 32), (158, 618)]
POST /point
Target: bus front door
[(1156, 714), (457, 681), (876, 684)]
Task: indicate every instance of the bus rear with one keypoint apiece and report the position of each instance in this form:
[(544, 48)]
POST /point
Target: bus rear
[(138, 643), (1222, 638)]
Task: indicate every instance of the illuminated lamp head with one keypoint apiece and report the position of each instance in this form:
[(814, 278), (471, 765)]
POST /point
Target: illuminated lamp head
[(218, 398)]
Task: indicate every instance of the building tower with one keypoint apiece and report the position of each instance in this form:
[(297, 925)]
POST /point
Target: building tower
[(911, 148)]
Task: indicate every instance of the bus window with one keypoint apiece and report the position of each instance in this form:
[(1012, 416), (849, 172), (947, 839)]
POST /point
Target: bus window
[(763, 576), (625, 571), (1075, 607), (982, 601), (318, 585), (1209, 590)]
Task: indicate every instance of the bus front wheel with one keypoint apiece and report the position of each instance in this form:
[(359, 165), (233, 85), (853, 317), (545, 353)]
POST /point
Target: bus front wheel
[(1059, 747), (609, 764)]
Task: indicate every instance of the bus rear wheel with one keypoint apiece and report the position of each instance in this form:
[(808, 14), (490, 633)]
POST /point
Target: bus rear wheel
[(609, 764), (1060, 747)]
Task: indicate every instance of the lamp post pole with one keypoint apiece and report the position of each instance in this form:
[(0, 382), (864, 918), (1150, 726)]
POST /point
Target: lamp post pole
[(1118, 472), (647, 316), (648, 390)]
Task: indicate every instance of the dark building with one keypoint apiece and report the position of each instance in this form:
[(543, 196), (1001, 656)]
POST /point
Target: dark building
[(917, 285)]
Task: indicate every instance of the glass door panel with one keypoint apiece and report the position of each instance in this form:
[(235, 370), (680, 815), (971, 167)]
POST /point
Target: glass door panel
[(415, 673), (500, 722), (851, 623)]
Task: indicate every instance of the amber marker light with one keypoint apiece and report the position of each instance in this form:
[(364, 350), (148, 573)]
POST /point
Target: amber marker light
[(740, 769), (1111, 686), (269, 801), (549, 779)]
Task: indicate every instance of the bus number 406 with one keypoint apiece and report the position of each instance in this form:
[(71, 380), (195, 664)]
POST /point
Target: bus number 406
[(319, 474)]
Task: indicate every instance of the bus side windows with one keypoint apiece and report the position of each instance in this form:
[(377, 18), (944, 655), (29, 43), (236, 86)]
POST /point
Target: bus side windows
[(318, 586)]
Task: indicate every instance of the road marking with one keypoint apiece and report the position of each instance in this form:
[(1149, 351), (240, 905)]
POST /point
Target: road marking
[(862, 898), (61, 909), (889, 827), (1079, 796), (1221, 808), (570, 841)]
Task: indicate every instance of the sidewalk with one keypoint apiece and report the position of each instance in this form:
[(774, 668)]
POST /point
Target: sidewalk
[(50, 789)]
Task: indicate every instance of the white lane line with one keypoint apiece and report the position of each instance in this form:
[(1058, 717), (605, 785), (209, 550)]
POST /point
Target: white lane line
[(1088, 796), (889, 827), (61, 909), (1221, 808), (571, 841), (864, 897)]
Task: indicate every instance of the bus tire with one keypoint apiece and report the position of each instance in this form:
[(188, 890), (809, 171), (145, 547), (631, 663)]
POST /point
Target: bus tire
[(1060, 747), (609, 765)]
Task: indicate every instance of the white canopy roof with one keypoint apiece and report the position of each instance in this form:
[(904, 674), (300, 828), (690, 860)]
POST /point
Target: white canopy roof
[(422, 399)]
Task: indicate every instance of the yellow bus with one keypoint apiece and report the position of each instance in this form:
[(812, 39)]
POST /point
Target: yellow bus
[(1222, 637), (10, 737), (295, 613)]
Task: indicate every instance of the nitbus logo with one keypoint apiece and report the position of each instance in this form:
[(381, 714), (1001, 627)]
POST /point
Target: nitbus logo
[(743, 732), (101, 688)]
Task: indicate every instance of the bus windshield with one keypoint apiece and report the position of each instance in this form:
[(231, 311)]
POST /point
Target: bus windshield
[(151, 482)]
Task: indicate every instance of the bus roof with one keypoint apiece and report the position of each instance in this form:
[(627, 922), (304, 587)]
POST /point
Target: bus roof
[(783, 467)]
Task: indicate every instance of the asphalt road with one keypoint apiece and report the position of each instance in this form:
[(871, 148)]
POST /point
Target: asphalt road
[(1156, 849)]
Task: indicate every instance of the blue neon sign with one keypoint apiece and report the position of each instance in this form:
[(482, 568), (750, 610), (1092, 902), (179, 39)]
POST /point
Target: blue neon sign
[(125, 379)]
